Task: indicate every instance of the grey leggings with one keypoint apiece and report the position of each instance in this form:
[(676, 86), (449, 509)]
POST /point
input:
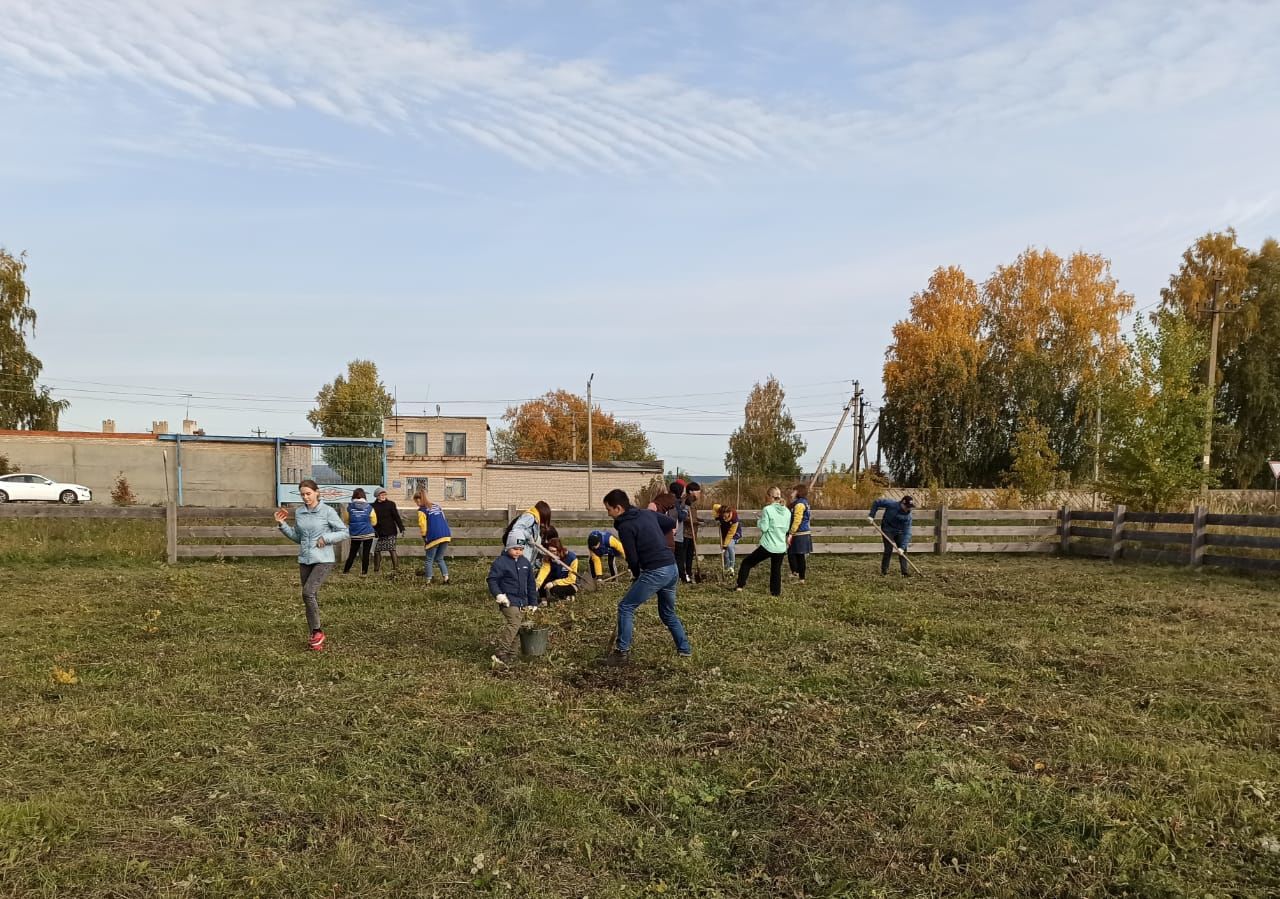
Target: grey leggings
[(312, 577)]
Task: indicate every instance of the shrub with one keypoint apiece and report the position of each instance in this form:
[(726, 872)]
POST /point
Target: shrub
[(1008, 498), (121, 493), (6, 467)]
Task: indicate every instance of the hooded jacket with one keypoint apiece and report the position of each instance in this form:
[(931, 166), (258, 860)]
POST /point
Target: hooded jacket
[(897, 520), (644, 544), (774, 521), (309, 526), (558, 572), (515, 578)]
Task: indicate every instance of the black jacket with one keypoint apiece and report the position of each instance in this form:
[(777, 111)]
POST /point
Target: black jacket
[(389, 522), (643, 536)]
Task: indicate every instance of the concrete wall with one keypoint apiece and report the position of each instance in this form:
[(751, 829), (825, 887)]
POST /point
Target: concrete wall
[(562, 488), (213, 474)]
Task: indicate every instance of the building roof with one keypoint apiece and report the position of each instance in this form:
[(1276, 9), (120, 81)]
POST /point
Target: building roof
[(98, 435)]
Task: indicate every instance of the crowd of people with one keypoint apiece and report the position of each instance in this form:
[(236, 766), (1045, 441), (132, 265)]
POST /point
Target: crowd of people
[(657, 544)]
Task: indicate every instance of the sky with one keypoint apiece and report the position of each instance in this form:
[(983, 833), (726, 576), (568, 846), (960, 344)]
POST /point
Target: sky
[(223, 203)]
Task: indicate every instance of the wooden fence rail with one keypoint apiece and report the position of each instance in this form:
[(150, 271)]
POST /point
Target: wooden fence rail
[(1197, 539)]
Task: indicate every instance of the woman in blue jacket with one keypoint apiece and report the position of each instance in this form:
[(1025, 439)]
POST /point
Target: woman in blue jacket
[(316, 529), (896, 530), (360, 521)]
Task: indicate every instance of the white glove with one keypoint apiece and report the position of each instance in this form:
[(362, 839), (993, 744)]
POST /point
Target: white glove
[(502, 599), (871, 520), (531, 609), (900, 551)]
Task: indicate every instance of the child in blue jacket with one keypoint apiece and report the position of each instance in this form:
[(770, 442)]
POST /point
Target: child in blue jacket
[(513, 585)]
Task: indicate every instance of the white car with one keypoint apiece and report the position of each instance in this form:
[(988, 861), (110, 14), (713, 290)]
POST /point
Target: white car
[(17, 487)]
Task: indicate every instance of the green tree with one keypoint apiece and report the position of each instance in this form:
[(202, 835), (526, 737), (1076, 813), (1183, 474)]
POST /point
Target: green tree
[(1156, 410), (554, 427), (24, 404), (353, 405), (767, 444), (1035, 464)]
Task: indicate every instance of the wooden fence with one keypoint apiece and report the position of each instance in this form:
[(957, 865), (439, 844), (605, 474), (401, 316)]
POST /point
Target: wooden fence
[(1198, 539)]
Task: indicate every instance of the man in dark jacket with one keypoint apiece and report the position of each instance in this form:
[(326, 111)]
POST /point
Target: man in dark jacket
[(653, 565), (896, 530)]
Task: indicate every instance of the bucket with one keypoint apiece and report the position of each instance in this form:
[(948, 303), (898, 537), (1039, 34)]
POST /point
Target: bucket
[(533, 641)]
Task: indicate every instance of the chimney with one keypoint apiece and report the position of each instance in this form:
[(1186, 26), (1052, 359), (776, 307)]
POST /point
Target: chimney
[(159, 427), (108, 426), (188, 426)]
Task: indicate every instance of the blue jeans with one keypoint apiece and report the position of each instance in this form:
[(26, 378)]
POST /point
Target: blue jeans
[(661, 581), (435, 556), (729, 553)]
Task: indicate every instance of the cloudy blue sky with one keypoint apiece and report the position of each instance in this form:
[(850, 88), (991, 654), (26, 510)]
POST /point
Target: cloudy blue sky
[(231, 199)]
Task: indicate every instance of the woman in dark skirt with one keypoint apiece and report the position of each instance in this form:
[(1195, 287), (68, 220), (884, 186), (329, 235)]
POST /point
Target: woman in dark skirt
[(799, 536), (388, 525)]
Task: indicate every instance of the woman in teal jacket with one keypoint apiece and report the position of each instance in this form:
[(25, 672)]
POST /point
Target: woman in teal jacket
[(774, 522), (316, 528)]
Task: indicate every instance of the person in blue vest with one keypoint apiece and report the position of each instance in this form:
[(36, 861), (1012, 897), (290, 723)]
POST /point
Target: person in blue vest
[(730, 533), (436, 536), (604, 548), (360, 521), (897, 530), (799, 536)]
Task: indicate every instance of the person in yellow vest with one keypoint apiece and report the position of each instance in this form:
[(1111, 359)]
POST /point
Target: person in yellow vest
[(557, 577), (604, 546), (730, 533), (799, 535)]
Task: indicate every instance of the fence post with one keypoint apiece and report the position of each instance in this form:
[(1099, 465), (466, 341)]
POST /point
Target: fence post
[(511, 513), (1117, 533), (940, 529), (1199, 522), (1064, 531), (171, 532)]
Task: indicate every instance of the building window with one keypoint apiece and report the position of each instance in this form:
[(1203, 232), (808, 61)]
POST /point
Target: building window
[(455, 488), (413, 485), (415, 443), (455, 444)]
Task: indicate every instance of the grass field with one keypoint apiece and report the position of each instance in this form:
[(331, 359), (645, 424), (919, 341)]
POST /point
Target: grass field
[(1005, 727)]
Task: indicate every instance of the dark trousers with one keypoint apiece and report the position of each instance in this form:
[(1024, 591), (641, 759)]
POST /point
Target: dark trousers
[(798, 563), (364, 546), (888, 552), (557, 592), (758, 555), (684, 559)]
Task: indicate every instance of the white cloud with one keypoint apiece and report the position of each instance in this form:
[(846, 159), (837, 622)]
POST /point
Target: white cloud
[(353, 63)]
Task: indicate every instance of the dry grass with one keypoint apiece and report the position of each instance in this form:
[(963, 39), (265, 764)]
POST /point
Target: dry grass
[(1005, 727)]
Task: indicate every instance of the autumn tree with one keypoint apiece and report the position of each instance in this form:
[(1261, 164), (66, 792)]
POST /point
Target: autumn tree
[(1249, 399), (767, 444), (353, 405), (1156, 414), (932, 396), (554, 427), (24, 404), (1053, 327), (1217, 270), (1035, 464)]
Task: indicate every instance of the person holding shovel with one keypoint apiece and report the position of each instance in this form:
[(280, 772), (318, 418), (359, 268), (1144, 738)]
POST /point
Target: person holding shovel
[(605, 549), (513, 586), (896, 532), (653, 565)]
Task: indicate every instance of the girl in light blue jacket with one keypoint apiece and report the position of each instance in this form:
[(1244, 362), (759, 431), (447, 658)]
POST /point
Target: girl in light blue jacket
[(316, 529)]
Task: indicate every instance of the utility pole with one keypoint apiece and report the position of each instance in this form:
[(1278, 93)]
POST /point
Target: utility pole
[(1215, 317), (590, 462), (575, 438), (818, 472), (866, 437), (258, 432), (857, 437)]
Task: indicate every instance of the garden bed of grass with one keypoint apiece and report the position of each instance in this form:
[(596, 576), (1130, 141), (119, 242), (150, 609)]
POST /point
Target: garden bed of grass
[(1002, 727)]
